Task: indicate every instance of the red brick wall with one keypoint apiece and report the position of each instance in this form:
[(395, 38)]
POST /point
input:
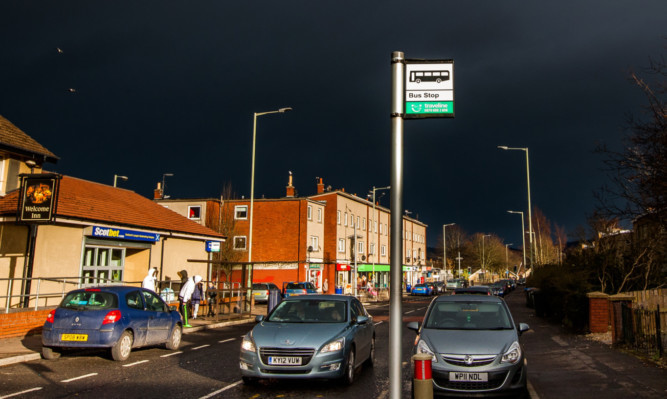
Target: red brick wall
[(598, 314), (20, 324)]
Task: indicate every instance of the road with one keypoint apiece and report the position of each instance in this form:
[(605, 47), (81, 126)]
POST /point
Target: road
[(206, 366)]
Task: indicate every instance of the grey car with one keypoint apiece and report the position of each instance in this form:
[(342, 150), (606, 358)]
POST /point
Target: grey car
[(309, 336), (261, 291), (475, 346)]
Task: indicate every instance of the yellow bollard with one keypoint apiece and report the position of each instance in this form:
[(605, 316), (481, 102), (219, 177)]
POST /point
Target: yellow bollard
[(422, 384)]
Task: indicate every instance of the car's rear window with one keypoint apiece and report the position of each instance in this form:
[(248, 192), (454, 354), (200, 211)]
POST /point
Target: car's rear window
[(90, 300), (468, 315)]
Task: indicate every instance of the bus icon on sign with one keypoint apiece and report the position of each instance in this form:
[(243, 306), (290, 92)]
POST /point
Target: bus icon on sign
[(429, 76)]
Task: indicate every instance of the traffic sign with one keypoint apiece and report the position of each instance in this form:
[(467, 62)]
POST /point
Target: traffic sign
[(429, 89)]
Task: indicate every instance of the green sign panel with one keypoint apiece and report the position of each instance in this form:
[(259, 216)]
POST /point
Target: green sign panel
[(429, 89)]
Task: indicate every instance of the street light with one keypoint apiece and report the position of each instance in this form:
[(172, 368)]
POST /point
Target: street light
[(444, 246), (483, 258), (507, 261), (523, 236), (252, 175), (163, 184), (373, 226), (530, 215), (116, 177)]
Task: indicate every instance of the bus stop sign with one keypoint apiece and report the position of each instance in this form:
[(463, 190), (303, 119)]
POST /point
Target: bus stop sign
[(429, 89)]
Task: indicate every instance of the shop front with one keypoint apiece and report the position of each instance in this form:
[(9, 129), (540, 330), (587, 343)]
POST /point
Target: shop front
[(343, 279)]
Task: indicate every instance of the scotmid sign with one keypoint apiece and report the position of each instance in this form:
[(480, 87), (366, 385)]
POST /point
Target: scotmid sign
[(429, 89)]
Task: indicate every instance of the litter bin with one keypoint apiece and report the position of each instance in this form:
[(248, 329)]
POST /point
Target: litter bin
[(274, 299), (408, 288), (339, 290)]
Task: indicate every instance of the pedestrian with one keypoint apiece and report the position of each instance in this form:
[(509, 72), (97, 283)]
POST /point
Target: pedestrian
[(185, 296), (150, 279), (197, 297), (212, 294), (325, 286)]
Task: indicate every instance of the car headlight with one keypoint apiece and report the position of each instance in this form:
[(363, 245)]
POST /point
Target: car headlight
[(334, 346), (422, 347), (248, 344), (513, 354)]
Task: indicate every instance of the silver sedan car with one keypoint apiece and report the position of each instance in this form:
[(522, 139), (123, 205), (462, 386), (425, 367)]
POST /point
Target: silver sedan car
[(475, 346), (309, 336)]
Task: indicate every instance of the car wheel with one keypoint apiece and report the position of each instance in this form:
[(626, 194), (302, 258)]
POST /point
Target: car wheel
[(50, 353), (371, 357), (348, 377), (121, 350), (175, 338)]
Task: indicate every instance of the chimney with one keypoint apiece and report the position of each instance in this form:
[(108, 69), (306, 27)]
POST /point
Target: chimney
[(290, 187), (157, 193), (320, 186)]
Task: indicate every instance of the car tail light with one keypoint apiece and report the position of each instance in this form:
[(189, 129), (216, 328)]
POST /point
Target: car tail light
[(111, 317), (50, 316)]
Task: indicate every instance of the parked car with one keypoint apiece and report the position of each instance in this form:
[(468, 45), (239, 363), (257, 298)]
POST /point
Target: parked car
[(293, 288), (440, 287), (261, 291), (498, 289), (508, 285), (473, 290), (117, 318), (309, 336), (475, 346), (453, 284), (422, 289)]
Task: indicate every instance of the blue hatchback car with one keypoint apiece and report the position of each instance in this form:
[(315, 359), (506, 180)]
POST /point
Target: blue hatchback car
[(421, 289), (115, 317)]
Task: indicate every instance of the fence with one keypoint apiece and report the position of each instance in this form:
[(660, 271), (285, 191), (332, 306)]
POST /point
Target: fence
[(642, 329)]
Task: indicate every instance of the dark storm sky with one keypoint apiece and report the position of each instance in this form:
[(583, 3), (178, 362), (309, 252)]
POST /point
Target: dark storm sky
[(171, 86)]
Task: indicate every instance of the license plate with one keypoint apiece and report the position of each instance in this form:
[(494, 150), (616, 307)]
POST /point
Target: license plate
[(468, 377), (74, 337), (285, 360)]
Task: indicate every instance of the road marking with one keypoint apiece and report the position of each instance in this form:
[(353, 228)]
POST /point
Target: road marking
[(379, 322), (531, 390), (172, 354), (409, 311), (212, 394), (199, 347), (135, 363), (226, 340), (559, 341), (80, 377), (20, 393)]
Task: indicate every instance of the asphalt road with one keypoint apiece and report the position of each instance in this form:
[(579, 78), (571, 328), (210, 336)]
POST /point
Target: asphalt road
[(206, 366)]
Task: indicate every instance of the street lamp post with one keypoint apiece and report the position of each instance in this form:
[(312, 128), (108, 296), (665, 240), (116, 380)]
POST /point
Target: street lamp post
[(530, 215), (164, 176), (483, 255), (116, 177), (523, 236), (507, 259), (444, 245), (252, 175), (373, 227)]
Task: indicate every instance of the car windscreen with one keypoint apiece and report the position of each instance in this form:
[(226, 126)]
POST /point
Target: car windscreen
[(310, 311), (89, 300), (468, 315)]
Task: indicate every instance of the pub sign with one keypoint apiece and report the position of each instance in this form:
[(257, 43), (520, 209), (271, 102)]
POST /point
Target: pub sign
[(39, 198)]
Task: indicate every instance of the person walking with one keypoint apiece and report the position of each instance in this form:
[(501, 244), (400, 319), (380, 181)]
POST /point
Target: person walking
[(185, 296), (150, 280), (325, 286), (197, 297), (212, 294)]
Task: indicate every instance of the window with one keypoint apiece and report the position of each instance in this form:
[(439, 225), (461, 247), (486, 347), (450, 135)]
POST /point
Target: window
[(383, 250), (133, 300), (375, 227), (345, 220), (102, 265), (319, 215), (338, 217), (153, 302), (241, 212), (240, 242), (357, 221), (315, 242), (363, 224), (371, 250), (310, 212), (341, 245), (194, 212), (360, 247)]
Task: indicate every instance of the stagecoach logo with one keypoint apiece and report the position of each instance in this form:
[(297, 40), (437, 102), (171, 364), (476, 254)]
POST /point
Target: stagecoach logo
[(289, 342), (468, 360)]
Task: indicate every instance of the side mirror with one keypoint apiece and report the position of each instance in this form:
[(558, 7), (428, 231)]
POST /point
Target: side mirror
[(362, 319), (259, 318), (523, 327), (413, 325)]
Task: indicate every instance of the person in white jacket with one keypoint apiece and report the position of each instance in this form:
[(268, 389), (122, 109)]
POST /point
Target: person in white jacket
[(150, 279), (185, 295)]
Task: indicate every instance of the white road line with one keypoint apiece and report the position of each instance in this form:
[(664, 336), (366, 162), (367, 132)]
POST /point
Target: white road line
[(212, 394), (20, 393), (409, 311), (531, 390), (199, 347), (135, 363), (559, 340), (80, 377), (226, 340), (172, 354), (379, 322)]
